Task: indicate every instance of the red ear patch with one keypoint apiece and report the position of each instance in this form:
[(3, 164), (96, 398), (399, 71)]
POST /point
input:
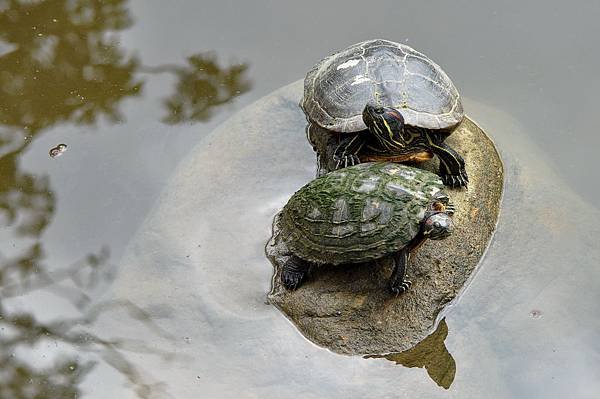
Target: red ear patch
[(396, 115)]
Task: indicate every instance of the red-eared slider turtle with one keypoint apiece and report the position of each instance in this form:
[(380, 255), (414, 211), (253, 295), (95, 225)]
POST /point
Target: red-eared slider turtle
[(391, 102), (360, 213)]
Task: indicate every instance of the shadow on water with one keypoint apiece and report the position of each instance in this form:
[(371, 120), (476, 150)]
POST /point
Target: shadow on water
[(430, 354), (60, 62)]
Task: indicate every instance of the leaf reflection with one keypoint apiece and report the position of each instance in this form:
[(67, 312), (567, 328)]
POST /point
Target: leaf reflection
[(61, 62), (202, 86), (64, 66)]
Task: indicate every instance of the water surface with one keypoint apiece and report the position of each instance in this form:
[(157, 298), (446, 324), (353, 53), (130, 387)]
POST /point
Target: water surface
[(99, 296)]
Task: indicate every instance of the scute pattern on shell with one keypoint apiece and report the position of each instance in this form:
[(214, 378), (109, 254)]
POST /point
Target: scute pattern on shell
[(358, 213), (391, 74)]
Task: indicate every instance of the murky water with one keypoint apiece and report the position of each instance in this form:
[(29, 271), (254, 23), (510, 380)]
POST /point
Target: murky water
[(124, 272)]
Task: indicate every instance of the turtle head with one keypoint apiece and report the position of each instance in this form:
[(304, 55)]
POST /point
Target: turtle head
[(383, 121), (437, 223), (438, 226)]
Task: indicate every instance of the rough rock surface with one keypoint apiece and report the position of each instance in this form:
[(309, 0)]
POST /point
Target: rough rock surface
[(349, 309)]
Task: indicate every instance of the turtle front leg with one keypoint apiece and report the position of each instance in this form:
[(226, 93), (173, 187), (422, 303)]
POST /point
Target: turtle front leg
[(398, 284), (346, 153), (452, 165), (294, 271)]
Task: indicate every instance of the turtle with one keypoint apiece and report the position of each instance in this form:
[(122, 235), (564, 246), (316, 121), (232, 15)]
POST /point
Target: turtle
[(385, 101), (362, 213)]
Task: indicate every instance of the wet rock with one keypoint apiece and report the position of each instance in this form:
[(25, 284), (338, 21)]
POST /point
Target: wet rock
[(349, 309)]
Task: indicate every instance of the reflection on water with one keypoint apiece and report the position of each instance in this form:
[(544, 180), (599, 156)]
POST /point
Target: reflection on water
[(430, 354), (26, 201), (24, 378), (201, 86), (64, 66), (60, 61), (23, 334)]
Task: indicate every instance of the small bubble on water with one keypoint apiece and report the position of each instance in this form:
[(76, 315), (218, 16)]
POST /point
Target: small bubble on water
[(58, 150), (535, 314)]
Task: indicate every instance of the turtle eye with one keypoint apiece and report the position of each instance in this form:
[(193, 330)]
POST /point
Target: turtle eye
[(437, 224)]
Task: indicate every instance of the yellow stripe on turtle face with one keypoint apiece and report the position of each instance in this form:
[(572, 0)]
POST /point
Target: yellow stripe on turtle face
[(389, 129), (400, 144), (387, 144), (378, 134)]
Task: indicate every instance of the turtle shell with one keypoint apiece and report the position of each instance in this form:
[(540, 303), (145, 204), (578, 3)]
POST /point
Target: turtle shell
[(380, 72), (358, 213)]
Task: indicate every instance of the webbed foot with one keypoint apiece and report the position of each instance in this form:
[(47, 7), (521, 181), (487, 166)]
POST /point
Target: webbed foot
[(400, 287), (452, 165)]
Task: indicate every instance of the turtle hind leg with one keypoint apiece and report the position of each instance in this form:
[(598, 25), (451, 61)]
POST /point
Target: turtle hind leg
[(398, 283), (293, 273), (452, 165)]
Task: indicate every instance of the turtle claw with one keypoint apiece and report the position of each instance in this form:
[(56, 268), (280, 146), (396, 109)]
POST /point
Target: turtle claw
[(460, 180), (292, 280), (450, 209), (401, 288), (345, 160), (463, 174)]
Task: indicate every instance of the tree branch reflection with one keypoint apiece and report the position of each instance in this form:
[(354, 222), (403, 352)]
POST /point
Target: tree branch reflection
[(201, 87), (61, 62)]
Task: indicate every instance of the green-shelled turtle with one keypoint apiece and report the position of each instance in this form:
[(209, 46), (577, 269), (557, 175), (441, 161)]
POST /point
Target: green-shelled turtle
[(387, 102), (361, 213)]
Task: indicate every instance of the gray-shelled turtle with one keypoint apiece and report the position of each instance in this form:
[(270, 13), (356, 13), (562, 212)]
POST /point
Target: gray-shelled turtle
[(390, 102), (361, 213)]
